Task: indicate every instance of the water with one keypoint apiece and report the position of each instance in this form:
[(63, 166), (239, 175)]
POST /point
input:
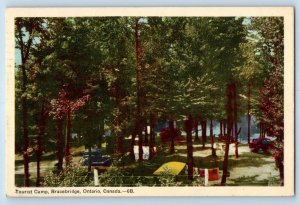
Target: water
[(243, 124)]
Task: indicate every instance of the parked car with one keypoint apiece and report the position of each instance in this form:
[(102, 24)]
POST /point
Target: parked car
[(261, 145), (97, 158)]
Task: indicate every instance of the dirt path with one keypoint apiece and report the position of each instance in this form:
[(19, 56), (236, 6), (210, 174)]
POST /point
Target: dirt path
[(45, 166), (249, 169), (264, 173)]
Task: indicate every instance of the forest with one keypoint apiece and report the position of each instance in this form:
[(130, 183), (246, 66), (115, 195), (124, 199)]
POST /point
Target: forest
[(162, 86)]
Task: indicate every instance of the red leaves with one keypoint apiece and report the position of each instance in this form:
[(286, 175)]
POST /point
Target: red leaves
[(272, 103), (63, 104)]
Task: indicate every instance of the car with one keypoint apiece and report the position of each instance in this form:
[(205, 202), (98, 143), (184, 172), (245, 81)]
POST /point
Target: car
[(97, 158), (261, 145)]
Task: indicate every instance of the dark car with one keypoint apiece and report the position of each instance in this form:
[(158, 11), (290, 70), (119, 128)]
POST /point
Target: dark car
[(261, 145), (97, 158)]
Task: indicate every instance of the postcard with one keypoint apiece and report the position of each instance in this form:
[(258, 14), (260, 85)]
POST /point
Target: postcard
[(166, 101)]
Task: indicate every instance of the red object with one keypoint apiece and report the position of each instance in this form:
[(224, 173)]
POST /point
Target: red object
[(213, 174), (201, 172)]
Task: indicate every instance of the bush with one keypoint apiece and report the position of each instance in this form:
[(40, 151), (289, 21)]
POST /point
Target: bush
[(198, 181), (112, 177), (72, 176), (76, 176), (167, 179)]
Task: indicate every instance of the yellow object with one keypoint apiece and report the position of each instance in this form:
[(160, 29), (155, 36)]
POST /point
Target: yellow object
[(173, 168)]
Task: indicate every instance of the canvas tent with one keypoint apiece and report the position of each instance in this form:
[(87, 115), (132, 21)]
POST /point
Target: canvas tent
[(174, 168)]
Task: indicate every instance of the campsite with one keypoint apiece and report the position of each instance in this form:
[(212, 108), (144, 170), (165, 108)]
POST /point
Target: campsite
[(149, 101)]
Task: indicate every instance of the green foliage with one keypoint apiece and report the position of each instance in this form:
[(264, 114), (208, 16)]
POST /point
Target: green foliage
[(183, 64), (112, 177), (273, 181), (198, 181), (72, 176), (167, 179)]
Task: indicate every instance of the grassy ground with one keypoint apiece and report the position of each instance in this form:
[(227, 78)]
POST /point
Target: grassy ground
[(250, 169), (47, 164)]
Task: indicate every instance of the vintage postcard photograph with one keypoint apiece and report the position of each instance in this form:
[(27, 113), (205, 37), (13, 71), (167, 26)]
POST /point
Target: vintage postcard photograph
[(150, 102)]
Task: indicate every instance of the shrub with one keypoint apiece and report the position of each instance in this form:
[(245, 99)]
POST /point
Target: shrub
[(112, 177), (167, 179), (72, 176)]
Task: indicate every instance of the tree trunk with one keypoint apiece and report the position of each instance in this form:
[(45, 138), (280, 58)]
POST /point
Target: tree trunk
[(263, 130), (196, 131), (59, 144), (221, 128), (90, 159), (203, 126), (101, 131), (118, 129), (260, 130), (248, 113), (224, 128), (280, 166), (235, 120), (120, 143), (236, 140), (139, 57), (189, 143), (152, 136), (38, 173), (68, 157), (25, 50), (140, 143), (229, 131), (133, 136), (213, 151), (40, 143), (146, 135), (25, 134), (172, 135)]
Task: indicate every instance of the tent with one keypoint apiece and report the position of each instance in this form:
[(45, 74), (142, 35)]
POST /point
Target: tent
[(174, 168)]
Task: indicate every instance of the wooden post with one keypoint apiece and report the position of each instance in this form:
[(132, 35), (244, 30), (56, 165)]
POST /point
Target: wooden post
[(205, 177), (96, 178)]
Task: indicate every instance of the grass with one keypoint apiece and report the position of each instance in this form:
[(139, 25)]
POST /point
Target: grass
[(253, 181), (247, 160)]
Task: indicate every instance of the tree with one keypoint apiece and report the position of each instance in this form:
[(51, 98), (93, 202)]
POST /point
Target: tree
[(250, 74), (271, 34), (126, 73), (26, 31), (63, 108), (231, 33)]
